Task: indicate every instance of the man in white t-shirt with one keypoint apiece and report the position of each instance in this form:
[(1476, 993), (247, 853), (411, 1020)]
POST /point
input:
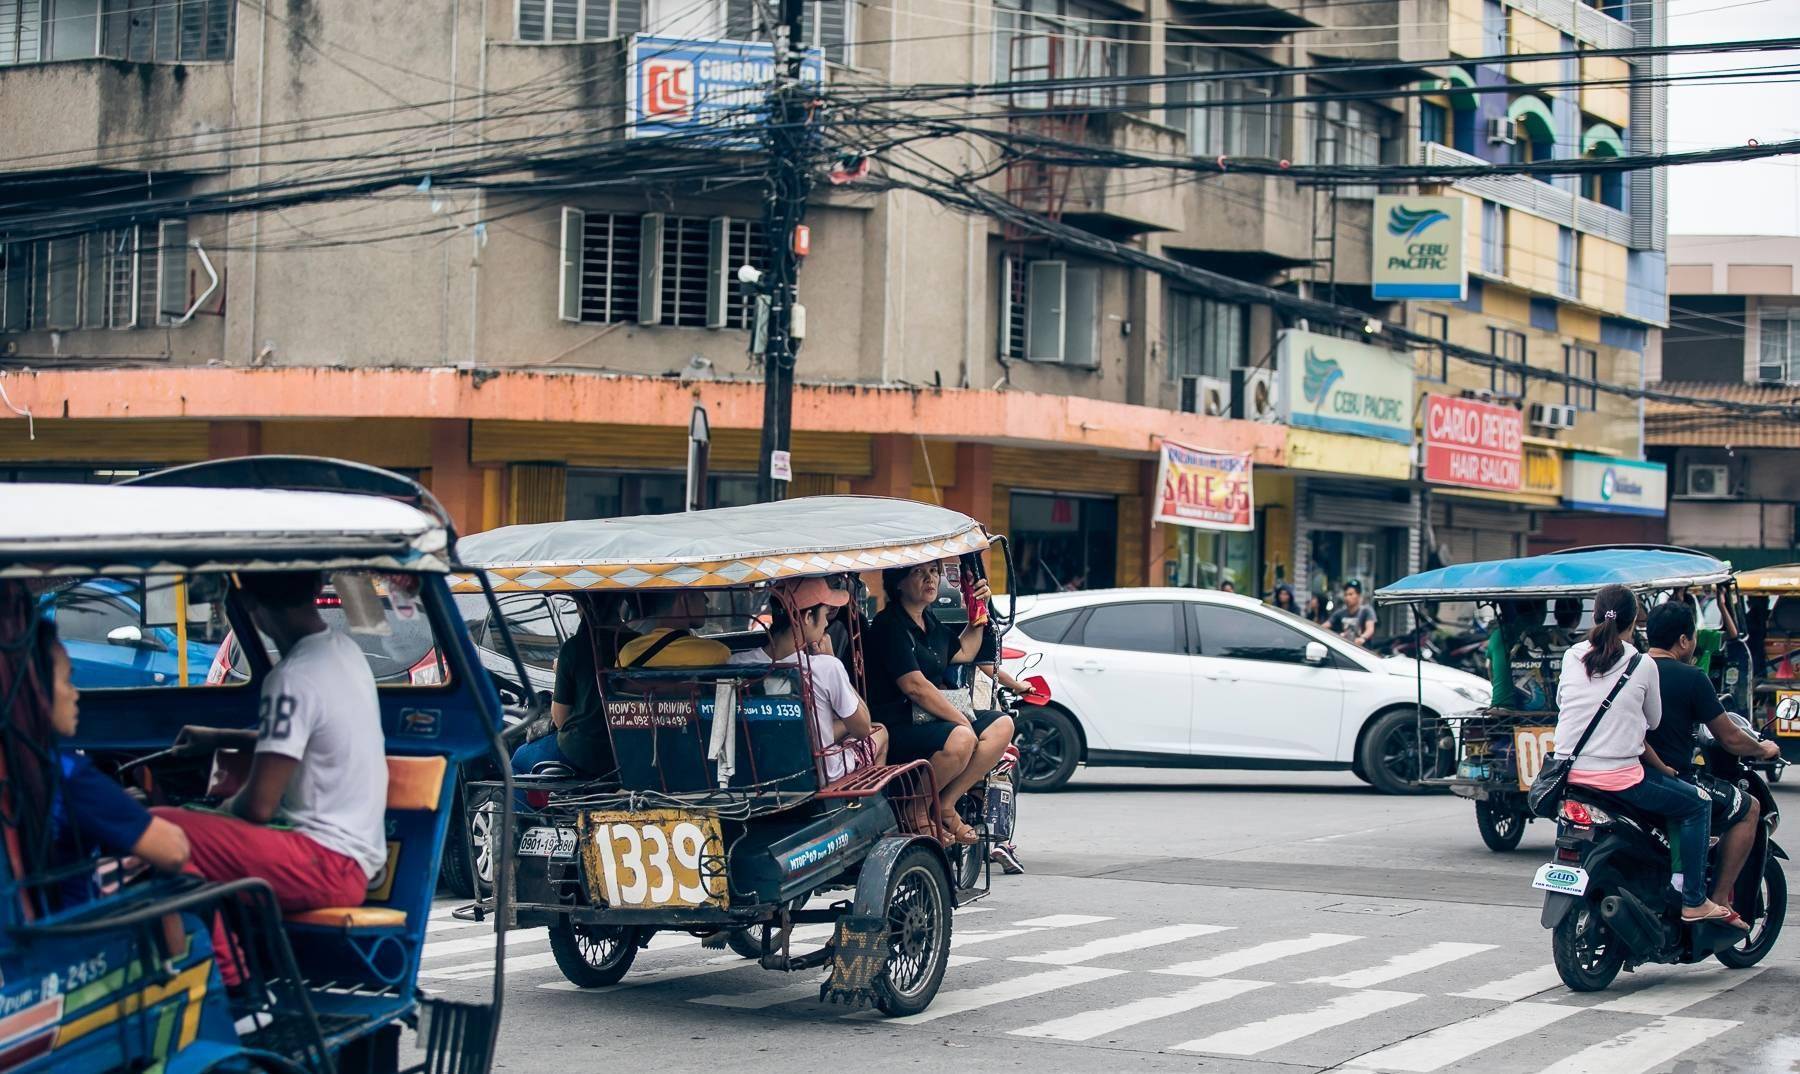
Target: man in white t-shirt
[(319, 767), (799, 612)]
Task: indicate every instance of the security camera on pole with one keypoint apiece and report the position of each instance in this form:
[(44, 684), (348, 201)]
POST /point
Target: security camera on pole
[(785, 138)]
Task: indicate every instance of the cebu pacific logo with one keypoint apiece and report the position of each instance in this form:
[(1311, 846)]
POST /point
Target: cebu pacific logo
[(1411, 223), (1322, 374), (1613, 483)]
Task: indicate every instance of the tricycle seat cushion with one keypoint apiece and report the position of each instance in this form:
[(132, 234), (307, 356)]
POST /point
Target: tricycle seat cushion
[(350, 917)]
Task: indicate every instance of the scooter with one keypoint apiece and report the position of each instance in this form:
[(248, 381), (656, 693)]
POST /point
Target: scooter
[(1607, 898)]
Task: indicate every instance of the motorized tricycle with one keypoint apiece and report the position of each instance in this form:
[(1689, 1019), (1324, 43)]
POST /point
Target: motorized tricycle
[(729, 813), (1541, 603), (105, 967), (1772, 623)]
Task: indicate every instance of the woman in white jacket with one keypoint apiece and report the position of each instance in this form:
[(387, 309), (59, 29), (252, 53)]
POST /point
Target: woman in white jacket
[(1614, 759)]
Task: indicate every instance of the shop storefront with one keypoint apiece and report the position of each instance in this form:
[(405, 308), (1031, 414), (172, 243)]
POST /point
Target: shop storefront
[(1064, 541), (1355, 515)]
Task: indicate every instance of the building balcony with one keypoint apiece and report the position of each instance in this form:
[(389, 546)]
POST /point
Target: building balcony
[(1249, 214), (1131, 201), (1529, 195), (100, 113)]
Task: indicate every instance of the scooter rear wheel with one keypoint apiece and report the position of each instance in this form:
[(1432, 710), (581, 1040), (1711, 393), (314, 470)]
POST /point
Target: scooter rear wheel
[(1765, 930), (1588, 956)]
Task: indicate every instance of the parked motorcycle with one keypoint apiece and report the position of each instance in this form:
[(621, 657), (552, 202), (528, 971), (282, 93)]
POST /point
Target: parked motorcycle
[(1608, 900)]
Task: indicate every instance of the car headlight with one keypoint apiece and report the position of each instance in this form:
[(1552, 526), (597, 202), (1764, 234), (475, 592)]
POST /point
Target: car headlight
[(1469, 694)]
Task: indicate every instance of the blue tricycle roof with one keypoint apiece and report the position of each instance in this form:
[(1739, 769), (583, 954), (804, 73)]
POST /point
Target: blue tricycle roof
[(1560, 574)]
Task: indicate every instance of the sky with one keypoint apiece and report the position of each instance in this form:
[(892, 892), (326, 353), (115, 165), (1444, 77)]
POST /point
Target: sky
[(1746, 197)]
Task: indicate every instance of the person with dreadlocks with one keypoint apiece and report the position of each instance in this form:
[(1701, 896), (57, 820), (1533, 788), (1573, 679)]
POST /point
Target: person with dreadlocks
[(60, 809)]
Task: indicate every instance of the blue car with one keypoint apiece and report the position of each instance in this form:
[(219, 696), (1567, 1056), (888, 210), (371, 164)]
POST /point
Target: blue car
[(101, 625)]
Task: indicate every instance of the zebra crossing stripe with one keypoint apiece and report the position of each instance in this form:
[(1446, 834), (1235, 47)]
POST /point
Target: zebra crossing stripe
[(758, 999), (1668, 994), (1061, 921), (658, 976), (484, 943), (1234, 961), (961, 1000), (1283, 1029), (1643, 1048), (1517, 987), (1426, 958), (474, 971), (1459, 1040), (1090, 1024), (1117, 945)]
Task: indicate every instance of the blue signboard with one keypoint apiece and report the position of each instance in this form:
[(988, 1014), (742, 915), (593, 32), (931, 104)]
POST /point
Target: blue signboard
[(718, 88)]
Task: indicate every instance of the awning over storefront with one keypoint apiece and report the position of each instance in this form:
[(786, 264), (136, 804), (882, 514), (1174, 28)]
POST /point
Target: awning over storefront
[(1534, 113), (1602, 140)]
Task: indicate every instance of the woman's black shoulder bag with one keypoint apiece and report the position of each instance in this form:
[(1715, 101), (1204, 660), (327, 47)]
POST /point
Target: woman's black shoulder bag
[(1546, 791)]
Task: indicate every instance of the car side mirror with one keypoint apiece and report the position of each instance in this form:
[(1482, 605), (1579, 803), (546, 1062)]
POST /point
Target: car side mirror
[(132, 637), (1316, 653)]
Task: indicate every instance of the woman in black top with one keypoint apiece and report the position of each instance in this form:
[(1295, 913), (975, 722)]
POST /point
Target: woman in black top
[(912, 660)]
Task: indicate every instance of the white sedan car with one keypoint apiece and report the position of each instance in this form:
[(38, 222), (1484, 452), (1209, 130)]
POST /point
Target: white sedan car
[(1193, 678)]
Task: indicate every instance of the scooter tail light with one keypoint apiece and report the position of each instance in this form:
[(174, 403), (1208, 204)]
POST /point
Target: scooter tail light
[(1577, 813)]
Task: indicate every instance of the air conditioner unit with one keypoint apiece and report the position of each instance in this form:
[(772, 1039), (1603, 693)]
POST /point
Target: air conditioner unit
[(1552, 416), (1770, 373), (1215, 397), (1501, 131), (1253, 394), (1712, 482)]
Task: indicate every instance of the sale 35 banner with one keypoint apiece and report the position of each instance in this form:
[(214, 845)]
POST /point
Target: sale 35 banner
[(1474, 445), (1205, 489)]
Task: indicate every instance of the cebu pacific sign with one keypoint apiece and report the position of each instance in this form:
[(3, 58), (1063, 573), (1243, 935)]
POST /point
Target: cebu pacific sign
[(1418, 248)]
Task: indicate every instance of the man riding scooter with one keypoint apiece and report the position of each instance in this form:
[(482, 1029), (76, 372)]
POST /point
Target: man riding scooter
[(1688, 703)]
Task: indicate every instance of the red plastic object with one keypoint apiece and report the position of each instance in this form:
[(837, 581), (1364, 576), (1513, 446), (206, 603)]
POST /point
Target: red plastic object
[(1576, 813), (1040, 691)]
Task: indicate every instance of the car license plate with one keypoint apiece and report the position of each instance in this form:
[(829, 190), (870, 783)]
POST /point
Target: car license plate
[(1530, 746), (548, 843), (1562, 879), (653, 858)]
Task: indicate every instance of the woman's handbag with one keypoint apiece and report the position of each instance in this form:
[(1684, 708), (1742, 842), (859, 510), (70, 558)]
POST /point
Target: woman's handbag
[(963, 700), (1547, 789)]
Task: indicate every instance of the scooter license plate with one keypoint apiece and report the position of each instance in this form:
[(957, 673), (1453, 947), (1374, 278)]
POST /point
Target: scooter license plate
[(1562, 879), (548, 842)]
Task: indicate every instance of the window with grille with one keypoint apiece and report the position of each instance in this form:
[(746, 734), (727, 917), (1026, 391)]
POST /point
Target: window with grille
[(1582, 363), (1206, 337), (578, 20), (824, 24), (1778, 349), (1223, 116), (144, 31), (104, 279), (1039, 40), (1509, 346), (1050, 311), (1437, 359), (1351, 133), (654, 268)]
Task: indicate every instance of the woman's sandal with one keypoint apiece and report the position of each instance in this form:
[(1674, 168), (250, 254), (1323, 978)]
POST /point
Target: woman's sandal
[(1724, 915), (960, 832)]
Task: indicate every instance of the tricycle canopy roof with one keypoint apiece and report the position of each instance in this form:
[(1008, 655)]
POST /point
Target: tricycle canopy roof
[(1559, 574), (1770, 581), (53, 530), (729, 546)]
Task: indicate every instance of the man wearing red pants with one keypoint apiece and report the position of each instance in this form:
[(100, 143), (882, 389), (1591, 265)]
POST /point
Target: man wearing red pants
[(319, 767)]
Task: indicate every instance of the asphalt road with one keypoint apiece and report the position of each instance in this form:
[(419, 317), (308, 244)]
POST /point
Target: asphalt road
[(1185, 921)]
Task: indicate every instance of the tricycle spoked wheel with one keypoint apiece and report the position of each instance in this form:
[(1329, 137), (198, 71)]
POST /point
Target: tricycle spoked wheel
[(1049, 748), (918, 915), (1764, 930), (746, 942), (593, 956), (1501, 829), (1396, 754), (1588, 956)]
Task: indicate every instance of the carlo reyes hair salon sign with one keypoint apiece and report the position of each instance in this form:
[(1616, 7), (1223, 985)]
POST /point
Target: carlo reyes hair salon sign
[(1418, 248)]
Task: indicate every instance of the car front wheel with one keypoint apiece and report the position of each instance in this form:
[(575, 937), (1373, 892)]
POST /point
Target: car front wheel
[(1399, 751), (1049, 747)]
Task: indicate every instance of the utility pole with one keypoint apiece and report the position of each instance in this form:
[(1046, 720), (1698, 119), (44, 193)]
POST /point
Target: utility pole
[(785, 139)]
